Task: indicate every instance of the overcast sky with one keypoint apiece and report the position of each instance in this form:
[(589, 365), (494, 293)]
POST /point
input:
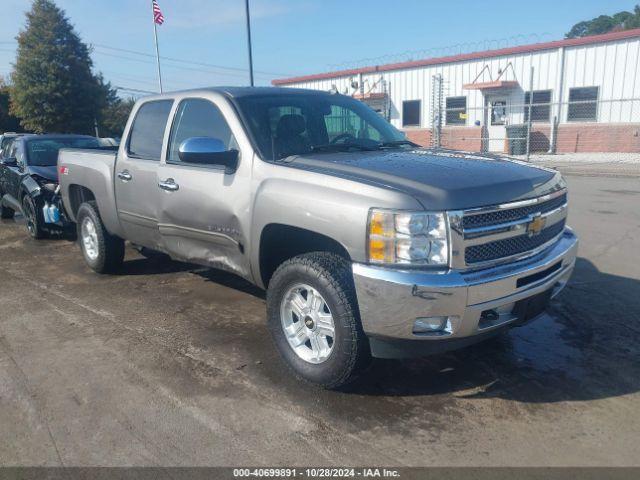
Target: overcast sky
[(295, 36)]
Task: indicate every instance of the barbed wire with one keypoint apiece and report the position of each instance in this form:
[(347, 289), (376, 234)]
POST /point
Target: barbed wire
[(443, 51)]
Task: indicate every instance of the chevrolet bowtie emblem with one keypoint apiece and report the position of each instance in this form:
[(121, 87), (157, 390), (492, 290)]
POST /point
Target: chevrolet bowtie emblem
[(535, 226)]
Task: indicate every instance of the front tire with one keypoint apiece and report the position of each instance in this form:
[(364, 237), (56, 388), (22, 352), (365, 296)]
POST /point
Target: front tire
[(33, 217), (103, 252), (313, 316)]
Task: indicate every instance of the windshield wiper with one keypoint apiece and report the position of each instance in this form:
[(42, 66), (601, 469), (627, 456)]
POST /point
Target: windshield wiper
[(397, 143), (341, 147)]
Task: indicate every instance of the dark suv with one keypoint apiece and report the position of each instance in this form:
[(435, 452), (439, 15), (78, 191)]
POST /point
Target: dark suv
[(29, 180)]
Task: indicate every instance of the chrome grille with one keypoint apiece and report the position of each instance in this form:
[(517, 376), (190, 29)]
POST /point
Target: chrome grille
[(501, 216), (511, 246), (490, 235)]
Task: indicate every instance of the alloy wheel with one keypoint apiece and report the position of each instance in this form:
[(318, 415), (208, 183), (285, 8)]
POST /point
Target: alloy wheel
[(307, 323), (90, 238)]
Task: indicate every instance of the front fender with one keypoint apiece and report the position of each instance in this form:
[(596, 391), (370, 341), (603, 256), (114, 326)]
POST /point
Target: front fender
[(334, 207)]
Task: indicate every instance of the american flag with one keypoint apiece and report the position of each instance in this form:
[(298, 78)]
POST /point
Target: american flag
[(157, 13)]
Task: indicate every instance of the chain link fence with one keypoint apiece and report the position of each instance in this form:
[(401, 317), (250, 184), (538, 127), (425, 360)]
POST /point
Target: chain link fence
[(529, 123)]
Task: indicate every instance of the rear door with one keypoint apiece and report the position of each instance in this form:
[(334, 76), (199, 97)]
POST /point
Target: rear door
[(201, 218), (136, 175)]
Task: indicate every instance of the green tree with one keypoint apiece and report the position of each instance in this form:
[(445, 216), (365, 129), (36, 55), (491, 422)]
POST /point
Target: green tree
[(8, 122), (634, 20), (606, 23), (54, 88), (114, 112)]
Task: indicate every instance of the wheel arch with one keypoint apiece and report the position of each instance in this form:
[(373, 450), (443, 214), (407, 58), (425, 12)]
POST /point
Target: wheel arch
[(78, 194), (280, 242)]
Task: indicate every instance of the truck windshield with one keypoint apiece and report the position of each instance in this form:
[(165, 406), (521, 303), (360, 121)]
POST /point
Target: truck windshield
[(44, 152), (284, 125)]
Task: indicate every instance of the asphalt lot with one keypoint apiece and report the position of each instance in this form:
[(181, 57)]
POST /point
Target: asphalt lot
[(170, 364)]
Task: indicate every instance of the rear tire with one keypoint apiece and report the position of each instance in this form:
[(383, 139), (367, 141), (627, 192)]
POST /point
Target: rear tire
[(33, 217), (326, 280), (103, 252)]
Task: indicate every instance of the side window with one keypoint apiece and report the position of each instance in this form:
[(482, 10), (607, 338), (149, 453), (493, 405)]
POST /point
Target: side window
[(13, 151), (6, 149), (147, 132), (18, 152), (198, 118)]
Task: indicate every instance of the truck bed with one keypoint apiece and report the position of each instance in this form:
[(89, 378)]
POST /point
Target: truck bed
[(83, 171)]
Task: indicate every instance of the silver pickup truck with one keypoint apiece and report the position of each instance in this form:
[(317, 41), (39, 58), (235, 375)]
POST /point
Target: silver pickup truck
[(366, 244)]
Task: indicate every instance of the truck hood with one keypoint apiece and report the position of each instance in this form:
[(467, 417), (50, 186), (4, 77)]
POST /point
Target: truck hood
[(50, 173), (439, 180)]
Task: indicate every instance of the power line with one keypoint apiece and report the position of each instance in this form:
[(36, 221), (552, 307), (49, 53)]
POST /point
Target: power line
[(135, 90), (174, 59), (122, 57), (140, 79), (148, 62), (191, 62)]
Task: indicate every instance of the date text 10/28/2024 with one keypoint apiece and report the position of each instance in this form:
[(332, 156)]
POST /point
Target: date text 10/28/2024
[(316, 472)]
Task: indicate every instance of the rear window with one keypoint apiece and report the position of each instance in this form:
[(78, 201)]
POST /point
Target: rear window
[(147, 133)]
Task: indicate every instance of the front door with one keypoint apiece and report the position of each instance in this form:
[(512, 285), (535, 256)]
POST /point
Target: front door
[(201, 206), (136, 182), (496, 123)]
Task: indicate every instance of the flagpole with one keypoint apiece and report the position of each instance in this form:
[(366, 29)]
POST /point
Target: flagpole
[(155, 36), (249, 43)]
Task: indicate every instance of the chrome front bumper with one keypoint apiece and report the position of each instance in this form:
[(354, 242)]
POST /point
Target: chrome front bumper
[(391, 300)]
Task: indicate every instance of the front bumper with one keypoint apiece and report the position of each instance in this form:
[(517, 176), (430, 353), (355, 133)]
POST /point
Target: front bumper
[(391, 300)]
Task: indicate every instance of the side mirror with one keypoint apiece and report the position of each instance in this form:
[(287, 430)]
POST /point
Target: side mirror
[(208, 151), (10, 162)]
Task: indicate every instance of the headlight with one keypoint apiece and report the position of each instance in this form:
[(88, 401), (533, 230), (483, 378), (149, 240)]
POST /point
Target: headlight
[(413, 238)]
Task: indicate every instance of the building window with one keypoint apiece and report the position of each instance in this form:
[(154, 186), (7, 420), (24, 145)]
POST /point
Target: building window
[(540, 106), (583, 104), (456, 111), (498, 112), (411, 113)]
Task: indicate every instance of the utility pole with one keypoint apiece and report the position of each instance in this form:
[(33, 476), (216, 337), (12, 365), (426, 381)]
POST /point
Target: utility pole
[(249, 43)]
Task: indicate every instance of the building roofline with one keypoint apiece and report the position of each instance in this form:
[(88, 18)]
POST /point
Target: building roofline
[(535, 47)]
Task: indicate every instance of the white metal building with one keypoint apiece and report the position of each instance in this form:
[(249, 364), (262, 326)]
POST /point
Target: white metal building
[(585, 95)]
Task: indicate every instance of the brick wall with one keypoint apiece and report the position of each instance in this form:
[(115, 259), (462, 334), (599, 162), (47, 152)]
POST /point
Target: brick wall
[(457, 138), (421, 136), (598, 137), (572, 138)]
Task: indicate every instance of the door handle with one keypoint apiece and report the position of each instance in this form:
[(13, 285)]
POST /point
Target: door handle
[(169, 185), (125, 176)]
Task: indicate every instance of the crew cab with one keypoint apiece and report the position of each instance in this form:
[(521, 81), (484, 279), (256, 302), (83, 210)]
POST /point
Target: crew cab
[(366, 244), (29, 180)]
